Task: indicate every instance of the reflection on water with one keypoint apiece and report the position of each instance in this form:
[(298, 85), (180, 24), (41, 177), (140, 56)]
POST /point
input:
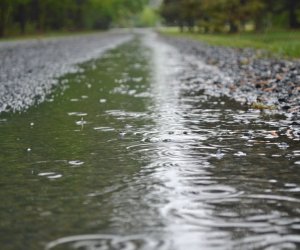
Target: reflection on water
[(133, 155)]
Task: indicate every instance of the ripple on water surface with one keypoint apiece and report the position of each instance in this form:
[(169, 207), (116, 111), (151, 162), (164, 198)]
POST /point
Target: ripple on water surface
[(154, 163), (108, 242)]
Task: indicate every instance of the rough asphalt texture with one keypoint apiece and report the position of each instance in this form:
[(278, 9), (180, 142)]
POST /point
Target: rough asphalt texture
[(247, 76), (29, 69)]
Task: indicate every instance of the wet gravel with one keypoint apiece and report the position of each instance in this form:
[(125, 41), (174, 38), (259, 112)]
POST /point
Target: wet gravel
[(251, 77), (29, 69)]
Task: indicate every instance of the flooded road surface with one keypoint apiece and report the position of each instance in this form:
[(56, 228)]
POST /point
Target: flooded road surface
[(130, 154)]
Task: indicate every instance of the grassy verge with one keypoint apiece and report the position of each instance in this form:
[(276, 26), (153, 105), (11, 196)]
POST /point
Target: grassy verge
[(280, 43)]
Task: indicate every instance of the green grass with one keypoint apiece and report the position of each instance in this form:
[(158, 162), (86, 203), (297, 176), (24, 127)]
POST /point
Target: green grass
[(279, 43)]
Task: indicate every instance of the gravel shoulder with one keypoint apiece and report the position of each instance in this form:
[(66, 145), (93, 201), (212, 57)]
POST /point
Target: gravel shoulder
[(247, 76), (29, 69)]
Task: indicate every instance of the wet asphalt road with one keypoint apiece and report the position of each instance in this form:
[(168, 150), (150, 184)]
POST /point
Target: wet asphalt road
[(29, 69), (146, 158)]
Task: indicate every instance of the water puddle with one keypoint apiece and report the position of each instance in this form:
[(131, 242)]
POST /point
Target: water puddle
[(133, 154)]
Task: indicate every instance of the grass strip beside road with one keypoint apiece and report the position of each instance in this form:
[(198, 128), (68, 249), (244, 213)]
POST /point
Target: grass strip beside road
[(280, 43)]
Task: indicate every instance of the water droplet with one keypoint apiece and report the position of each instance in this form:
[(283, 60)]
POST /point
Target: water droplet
[(240, 153), (273, 181), (77, 114), (275, 155), (283, 145), (81, 122), (50, 175), (76, 163), (104, 129), (54, 176), (122, 133), (46, 174), (219, 154)]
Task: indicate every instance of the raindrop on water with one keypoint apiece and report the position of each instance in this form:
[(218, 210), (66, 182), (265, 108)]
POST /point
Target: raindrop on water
[(219, 154), (81, 122), (240, 153), (122, 134), (283, 145), (76, 163)]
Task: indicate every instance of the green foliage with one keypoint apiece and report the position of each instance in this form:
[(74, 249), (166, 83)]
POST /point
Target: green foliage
[(148, 17), (279, 43), (231, 15), (20, 16)]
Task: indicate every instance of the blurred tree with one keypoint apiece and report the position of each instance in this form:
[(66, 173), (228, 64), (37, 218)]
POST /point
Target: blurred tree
[(231, 15), (44, 15), (20, 14), (5, 11), (189, 12), (172, 13), (148, 17), (293, 10)]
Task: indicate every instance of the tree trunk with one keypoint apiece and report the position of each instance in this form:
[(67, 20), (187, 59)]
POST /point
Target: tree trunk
[(259, 24), (181, 26), (2, 23), (22, 18), (4, 14), (2, 29), (293, 21), (233, 28), (41, 15), (191, 25)]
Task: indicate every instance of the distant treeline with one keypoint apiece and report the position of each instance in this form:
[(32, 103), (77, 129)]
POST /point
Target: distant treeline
[(29, 16), (231, 15)]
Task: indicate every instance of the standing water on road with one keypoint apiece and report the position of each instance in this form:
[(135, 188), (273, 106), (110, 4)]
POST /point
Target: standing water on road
[(129, 154)]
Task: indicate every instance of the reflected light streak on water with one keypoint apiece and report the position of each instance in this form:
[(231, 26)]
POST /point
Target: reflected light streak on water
[(177, 153)]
